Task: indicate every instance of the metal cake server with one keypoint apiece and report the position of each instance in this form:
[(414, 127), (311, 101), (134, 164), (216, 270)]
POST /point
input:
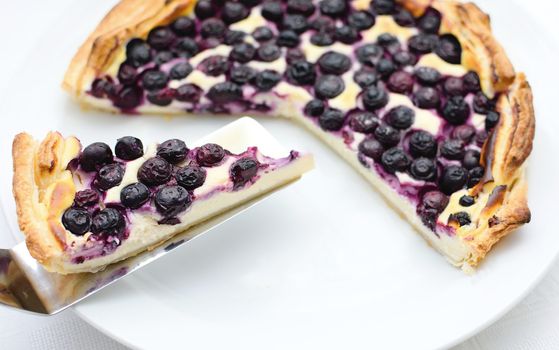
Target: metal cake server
[(26, 285)]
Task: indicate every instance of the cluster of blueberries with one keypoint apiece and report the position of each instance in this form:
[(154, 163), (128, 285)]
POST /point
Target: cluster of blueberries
[(160, 179)]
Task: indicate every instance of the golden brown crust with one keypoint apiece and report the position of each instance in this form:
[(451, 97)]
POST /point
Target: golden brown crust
[(42, 189), (129, 18)]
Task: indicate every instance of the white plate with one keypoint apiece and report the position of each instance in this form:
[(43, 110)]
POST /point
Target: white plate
[(323, 263)]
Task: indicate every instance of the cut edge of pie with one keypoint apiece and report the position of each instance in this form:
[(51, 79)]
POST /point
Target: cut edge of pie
[(45, 186), (504, 153)]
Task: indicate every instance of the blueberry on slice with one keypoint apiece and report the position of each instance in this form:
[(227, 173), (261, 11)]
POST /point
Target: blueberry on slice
[(395, 159), (302, 7), (86, 198), (234, 12), (314, 108), (332, 119), (387, 135), (363, 121), (95, 156), (213, 28), (215, 65), (422, 144), (268, 52), (154, 80), (241, 74), (127, 74), (422, 43), (233, 37), (188, 93), (184, 26), (109, 222), (467, 201), (288, 38), (452, 149), (464, 133), (371, 148), (174, 151), (430, 21), (191, 177), (449, 49), (155, 171), (333, 8), (475, 175), (301, 73), (456, 110), (369, 54), (365, 78), (404, 58), (242, 52), (163, 57), (77, 221), (266, 80), (296, 23), (471, 159), (204, 9), (462, 218), (431, 205), (138, 52), (427, 98), (272, 11), (328, 86), (453, 86), (334, 63), (109, 176), (171, 200), (423, 169), (471, 82), (347, 35), (427, 76), (186, 47), (322, 39), (127, 97), (453, 178), (180, 71), (374, 97), (209, 154), (404, 18), (491, 120), (400, 117), (400, 82), (385, 67), (163, 97), (262, 33), (360, 20), (134, 195), (161, 38), (383, 7), (225, 92), (242, 171)]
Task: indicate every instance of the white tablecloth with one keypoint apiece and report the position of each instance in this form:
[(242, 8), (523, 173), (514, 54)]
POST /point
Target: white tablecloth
[(532, 325)]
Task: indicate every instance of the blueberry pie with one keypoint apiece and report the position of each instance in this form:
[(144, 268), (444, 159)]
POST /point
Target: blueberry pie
[(417, 95), (84, 208)]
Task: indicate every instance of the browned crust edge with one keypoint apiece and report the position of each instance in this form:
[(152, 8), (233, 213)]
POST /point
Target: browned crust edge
[(42, 189), (129, 18)]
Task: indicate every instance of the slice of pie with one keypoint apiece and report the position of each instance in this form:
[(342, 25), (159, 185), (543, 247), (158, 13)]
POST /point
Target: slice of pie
[(417, 95), (82, 209)]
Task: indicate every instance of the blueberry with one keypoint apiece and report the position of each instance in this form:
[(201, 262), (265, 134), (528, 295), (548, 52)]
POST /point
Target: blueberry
[(322, 39), (427, 76), (328, 86), (432, 204), (127, 97), (404, 58), (333, 8), (242, 52), (400, 82), (163, 97), (101, 88), (314, 108), (334, 63), (209, 154), (234, 12), (294, 55), (462, 218), (323, 24), (481, 103), (387, 39), (214, 65), (163, 57), (387, 135), (127, 74), (481, 136), (266, 80), (188, 93), (77, 221), (456, 110), (184, 26), (242, 171), (423, 169), (491, 120), (186, 47), (180, 71), (361, 20), (213, 28), (172, 200), (288, 38), (138, 52), (191, 177), (369, 54), (385, 67), (347, 35), (452, 149), (383, 7), (471, 82), (374, 97), (302, 7), (422, 144), (365, 78), (453, 178), (161, 38), (363, 122), (464, 133), (467, 201), (262, 34), (155, 171), (233, 37), (250, 3), (134, 195), (453, 86), (400, 117), (404, 18), (242, 74), (272, 11), (109, 222), (296, 23), (174, 151), (471, 159), (268, 52), (204, 9), (154, 80), (427, 98), (371, 148), (430, 21), (332, 119), (95, 156), (225, 92), (475, 175), (109, 176), (301, 73), (449, 49), (422, 43), (86, 198), (394, 159)]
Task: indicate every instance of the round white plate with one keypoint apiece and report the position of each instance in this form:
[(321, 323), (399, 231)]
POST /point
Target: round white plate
[(324, 263)]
